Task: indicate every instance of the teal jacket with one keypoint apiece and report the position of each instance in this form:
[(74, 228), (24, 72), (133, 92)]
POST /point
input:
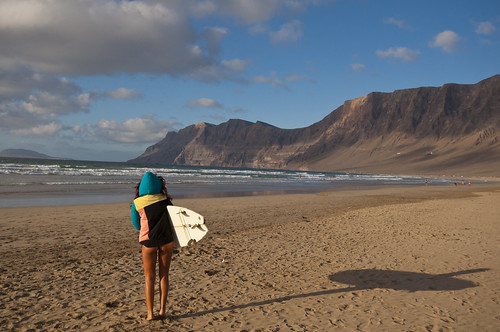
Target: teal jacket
[(149, 212)]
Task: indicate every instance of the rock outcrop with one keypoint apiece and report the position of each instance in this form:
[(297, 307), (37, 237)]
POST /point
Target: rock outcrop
[(438, 130)]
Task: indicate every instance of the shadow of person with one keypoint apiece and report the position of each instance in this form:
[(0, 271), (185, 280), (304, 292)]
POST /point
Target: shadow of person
[(404, 280), (362, 280)]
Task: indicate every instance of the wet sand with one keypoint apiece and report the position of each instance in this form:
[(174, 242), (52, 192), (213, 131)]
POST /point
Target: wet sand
[(397, 259)]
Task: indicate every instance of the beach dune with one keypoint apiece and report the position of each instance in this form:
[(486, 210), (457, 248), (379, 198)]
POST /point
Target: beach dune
[(402, 258)]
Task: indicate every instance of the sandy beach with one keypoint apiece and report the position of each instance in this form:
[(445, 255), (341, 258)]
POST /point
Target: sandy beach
[(369, 259)]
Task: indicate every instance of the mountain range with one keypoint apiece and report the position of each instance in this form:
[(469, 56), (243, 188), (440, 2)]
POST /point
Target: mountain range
[(447, 130), (22, 153)]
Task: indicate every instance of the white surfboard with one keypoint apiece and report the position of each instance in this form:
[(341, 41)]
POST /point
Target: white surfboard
[(189, 227)]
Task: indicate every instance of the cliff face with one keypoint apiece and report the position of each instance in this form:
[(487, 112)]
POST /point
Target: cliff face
[(422, 130)]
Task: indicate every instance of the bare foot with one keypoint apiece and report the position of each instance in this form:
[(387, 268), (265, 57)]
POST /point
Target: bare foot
[(150, 317)]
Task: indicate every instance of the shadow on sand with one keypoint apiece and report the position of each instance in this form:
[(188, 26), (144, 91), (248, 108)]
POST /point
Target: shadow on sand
[(403, 280), (369, 279)]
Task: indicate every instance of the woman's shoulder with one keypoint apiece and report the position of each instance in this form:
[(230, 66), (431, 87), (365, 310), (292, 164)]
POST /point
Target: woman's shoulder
[(143, 201)]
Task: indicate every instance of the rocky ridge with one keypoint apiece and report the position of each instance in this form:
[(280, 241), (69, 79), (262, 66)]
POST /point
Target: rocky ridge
[(431, 130)]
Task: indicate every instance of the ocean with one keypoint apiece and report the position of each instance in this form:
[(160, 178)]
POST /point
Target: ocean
[(45, 182)]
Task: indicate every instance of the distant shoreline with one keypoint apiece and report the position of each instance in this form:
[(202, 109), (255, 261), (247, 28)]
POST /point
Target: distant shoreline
[(75, 198)]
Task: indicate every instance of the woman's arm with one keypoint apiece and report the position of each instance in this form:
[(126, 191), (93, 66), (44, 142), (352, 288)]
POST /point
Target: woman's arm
[(136, 219)]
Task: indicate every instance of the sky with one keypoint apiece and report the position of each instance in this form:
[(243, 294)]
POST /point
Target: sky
[(105, 79)]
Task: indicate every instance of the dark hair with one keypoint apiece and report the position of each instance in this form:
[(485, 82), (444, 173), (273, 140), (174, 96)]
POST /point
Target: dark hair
[(163, 188)]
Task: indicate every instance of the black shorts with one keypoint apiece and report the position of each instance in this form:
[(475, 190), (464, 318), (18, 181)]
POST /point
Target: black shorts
[(155, 243)]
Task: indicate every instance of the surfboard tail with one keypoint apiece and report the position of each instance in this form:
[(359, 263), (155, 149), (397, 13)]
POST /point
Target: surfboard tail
[(188, 226)]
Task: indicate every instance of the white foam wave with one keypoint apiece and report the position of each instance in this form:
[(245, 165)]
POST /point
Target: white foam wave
[(53, 173)]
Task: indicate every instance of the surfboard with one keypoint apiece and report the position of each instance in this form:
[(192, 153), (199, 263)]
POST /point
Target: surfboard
[(188, 226)]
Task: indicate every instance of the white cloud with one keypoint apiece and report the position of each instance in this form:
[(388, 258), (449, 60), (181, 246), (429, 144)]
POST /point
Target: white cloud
[(123, 93), (297, 77), (399, 23), (358, 67), (485, 28), (402, 53), (30, 100), (272, 80), (235, 65), (288, 33), (204, 102), (80, 37), (258, 11), (250, 11), (13, 119), (213, 38), (447, 40), (137, 130), (258, 29), (89, 37), (43, 102), (19, 82), (49, 129), (224, 70), (201, 9), (85, 99)]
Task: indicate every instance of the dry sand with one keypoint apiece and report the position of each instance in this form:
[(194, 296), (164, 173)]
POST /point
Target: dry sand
[(388, 259)]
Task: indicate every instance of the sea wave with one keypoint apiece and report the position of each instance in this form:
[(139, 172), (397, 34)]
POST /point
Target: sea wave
[(50, 172)]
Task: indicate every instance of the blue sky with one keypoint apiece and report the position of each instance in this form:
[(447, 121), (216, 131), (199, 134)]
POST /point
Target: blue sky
[(104, 79)]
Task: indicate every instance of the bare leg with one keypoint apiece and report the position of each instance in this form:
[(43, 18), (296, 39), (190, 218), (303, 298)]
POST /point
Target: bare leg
[(165, 256), (149, 260)]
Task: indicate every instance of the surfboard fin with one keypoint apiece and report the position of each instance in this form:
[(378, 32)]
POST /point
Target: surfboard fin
[(195, 226), (198, 226)]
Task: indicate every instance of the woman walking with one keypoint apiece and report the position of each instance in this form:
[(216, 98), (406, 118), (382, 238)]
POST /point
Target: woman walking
[(150, 217)]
